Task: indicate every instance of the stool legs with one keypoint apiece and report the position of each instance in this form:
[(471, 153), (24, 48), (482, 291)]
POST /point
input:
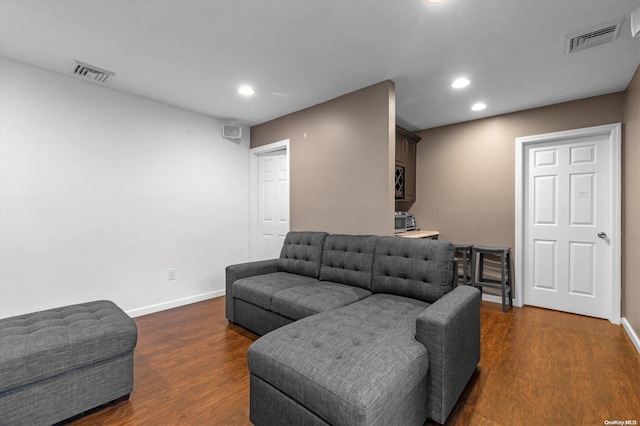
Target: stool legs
[(465, 270), (510, 278), (464, 250), (505, 283), (473, 269)]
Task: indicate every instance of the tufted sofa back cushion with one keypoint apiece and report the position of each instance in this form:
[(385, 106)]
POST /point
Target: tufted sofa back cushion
[(348, 259), (418, 268), (301, 253)]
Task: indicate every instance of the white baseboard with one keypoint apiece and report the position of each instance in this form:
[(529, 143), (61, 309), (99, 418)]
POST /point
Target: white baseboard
[(492, 298), (498, 299), (632, 334), (145, 310)]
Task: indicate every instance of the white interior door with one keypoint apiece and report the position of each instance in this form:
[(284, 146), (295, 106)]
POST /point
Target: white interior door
[(273, 203), (570, 228)]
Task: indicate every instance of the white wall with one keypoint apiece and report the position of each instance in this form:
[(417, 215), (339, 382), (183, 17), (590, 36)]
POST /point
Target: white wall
[(101, 192)]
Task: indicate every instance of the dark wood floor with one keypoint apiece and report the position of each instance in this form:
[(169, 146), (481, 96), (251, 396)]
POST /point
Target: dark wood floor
[(538, 367)]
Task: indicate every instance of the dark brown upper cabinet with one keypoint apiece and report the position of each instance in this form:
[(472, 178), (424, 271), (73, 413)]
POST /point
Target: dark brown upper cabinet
[(405, 173)]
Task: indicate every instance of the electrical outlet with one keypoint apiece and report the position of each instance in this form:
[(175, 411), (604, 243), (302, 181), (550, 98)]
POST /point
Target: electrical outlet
[(171, 274)]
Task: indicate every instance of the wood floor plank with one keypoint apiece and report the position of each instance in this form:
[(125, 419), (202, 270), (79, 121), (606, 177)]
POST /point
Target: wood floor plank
[(538, 367)]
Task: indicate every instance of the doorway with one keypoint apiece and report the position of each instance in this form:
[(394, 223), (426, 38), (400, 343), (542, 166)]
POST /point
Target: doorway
[(568, 234), (269, 200)]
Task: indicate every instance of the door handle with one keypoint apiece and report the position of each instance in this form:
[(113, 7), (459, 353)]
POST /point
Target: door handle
[(602, 234)]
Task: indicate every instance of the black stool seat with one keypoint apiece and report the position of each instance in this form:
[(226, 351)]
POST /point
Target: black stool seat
[(491, 249), (505, 283)]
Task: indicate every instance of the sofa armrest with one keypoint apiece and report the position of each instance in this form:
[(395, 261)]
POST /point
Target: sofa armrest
[(244, 270), (450, 330)]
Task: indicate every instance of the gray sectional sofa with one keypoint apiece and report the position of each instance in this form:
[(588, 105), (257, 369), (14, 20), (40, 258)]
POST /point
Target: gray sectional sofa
[(356, 330)]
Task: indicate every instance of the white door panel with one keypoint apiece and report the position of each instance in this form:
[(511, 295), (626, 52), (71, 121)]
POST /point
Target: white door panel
[(273, 203), (566, 206)]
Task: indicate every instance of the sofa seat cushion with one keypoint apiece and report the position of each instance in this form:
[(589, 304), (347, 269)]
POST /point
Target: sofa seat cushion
[(259, 289), (359, 364), (300, 302), (40, 345)]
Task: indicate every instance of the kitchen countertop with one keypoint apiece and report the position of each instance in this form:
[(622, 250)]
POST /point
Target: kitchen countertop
[(420, 233)]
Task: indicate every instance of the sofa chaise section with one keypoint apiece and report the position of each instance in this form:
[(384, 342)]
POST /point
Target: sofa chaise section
[(355, 365)]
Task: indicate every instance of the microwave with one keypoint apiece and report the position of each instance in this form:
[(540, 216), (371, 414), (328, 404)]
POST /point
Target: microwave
[(404, 222)]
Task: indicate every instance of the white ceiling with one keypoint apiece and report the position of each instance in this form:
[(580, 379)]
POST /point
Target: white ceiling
[(298, 53)]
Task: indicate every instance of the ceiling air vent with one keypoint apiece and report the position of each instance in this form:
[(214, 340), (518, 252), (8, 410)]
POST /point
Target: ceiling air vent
[(592, 37), (91, 72)]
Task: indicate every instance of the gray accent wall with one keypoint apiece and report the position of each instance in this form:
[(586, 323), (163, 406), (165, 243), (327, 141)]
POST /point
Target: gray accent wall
[(342, 159)]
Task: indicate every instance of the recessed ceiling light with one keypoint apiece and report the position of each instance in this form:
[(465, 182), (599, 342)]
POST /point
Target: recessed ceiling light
[(435, 1), (459, 83), (478, 106), (246, 90)]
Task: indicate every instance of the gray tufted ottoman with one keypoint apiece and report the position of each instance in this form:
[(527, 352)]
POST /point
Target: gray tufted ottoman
[(355, 365), (58, 363)]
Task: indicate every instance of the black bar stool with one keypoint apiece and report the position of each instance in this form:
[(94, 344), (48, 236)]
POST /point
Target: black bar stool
[(505, 283), (464, 252)]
